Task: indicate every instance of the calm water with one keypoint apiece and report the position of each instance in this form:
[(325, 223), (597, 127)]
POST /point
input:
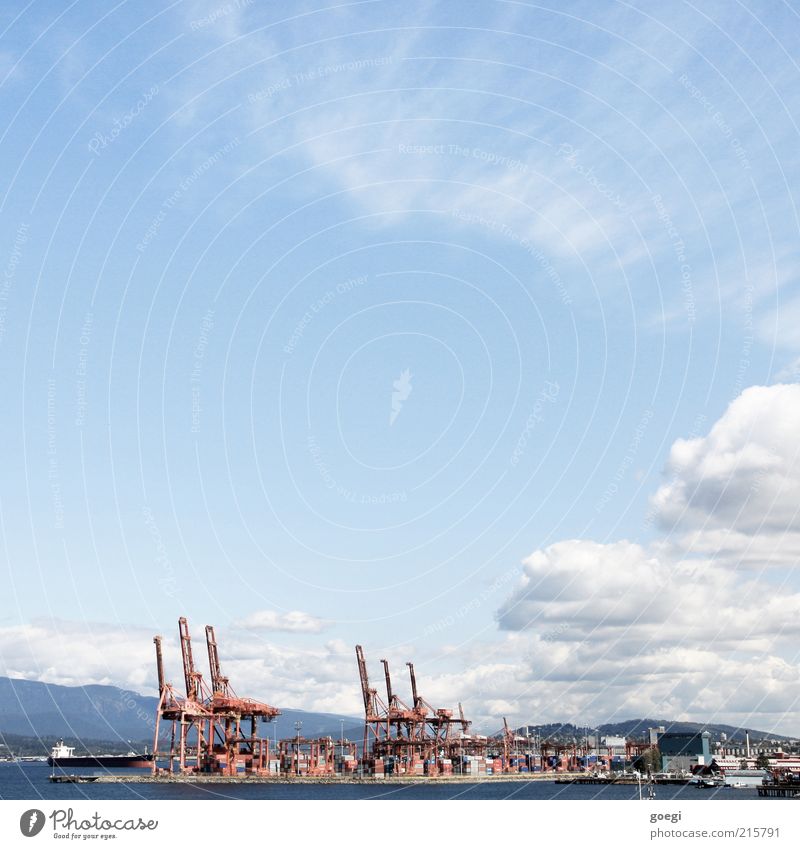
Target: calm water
[(29, 781)]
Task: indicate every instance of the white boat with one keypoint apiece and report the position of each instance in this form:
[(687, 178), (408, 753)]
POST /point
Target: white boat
[(707, 782)]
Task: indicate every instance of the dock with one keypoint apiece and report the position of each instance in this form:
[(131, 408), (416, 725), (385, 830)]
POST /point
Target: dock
[(590, 779), (778, 791), (370, 780)]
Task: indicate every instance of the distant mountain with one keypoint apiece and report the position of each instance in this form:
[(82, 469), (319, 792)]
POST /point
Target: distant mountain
[(24, 746), (96, 716), (636, 729), (103, 713)]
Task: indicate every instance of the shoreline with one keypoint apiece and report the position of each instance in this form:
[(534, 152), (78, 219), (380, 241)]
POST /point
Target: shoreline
[(321, 779)]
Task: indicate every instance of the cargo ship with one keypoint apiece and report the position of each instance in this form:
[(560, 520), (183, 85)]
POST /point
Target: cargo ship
[(64, 756)]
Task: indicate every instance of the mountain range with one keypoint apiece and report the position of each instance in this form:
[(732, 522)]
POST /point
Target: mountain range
[(636, 729), (100, 714), (33, 709)]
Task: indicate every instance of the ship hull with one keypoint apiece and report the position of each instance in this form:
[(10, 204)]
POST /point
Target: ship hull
[(129, 761)]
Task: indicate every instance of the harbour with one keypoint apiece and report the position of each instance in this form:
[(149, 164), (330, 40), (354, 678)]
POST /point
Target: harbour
[(209, 736), (213, 734), (329, 780), (31, 781)]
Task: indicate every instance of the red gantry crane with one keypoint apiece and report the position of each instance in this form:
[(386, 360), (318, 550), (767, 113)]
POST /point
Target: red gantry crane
[(208, 729), (234, 749), (376, 713), (415, 738), (188, 718)]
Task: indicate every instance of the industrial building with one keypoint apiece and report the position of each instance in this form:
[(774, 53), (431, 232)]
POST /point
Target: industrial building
[(683, 752)]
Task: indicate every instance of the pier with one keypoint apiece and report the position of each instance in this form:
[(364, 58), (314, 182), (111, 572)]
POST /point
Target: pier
[(778, 791), (187, 778), (591, 779)]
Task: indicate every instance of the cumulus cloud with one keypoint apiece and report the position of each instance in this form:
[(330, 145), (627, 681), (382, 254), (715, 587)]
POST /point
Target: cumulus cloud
[(71, 653), (538, 680), (630, 599), (736, 491), (582, 581), (322, 678), (295, 621), (675, 629)]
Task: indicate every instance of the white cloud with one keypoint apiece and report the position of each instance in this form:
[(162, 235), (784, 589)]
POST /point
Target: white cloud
[(737, 490), (674, 629), (72, 653), (219, 20), (620, 593), (295, 621), (790, 373), (355, 108), (780, 326), (536, 680), (309, 94), (322, 678)]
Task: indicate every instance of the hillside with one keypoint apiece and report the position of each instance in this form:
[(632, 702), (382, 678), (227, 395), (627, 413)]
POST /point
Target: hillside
[(32, 709), (104, 718), (637, 729)]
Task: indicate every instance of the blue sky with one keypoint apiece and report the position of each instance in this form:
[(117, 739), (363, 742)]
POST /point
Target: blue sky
[(409, 324)]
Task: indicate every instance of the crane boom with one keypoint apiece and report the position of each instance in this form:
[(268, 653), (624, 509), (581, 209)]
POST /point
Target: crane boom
[(159, 665), (363, 675), (219, 683), (413, 684), (189, 674), (388, 680)]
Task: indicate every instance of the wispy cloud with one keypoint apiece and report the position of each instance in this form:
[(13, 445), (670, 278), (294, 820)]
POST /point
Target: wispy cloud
[(399, 128), (295, 621)]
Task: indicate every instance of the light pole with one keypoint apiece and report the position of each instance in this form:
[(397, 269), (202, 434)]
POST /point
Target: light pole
[(528, 755), (597, 743), (297, 726)]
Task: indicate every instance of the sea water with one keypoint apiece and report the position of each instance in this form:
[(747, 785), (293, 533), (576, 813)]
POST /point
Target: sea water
[(30, 781)]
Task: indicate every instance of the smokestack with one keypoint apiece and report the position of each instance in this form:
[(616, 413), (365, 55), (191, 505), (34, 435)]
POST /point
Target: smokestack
[(747, 743)]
